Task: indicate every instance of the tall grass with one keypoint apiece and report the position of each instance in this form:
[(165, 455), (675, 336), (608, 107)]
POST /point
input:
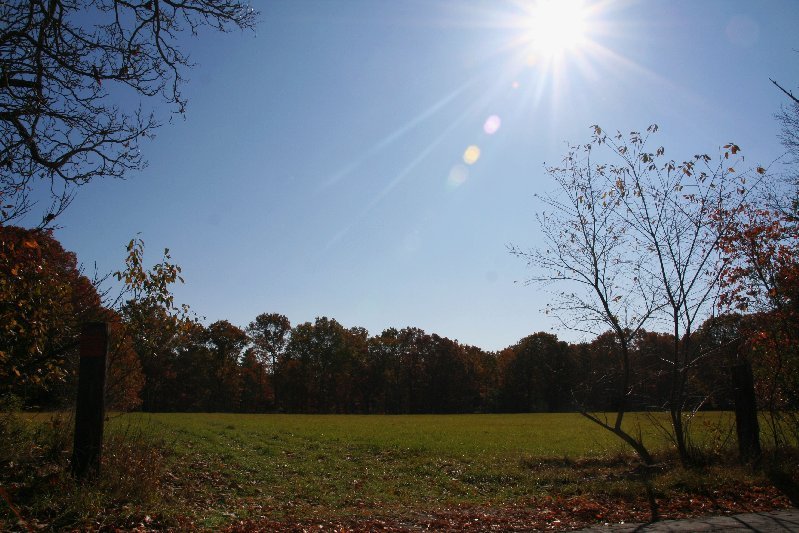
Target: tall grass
[(35, 454)]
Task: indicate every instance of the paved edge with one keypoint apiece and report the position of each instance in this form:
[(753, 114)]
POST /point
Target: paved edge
[(770, 522)]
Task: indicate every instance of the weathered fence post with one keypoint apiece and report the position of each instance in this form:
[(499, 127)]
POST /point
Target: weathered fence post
[(746, 424), (90, 408)]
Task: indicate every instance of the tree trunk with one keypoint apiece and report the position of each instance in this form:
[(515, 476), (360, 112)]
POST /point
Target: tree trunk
[(746, 424), (90, 407), (680, 438)]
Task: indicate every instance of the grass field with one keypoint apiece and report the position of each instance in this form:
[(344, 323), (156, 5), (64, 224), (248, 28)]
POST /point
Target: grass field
[(271, 471)]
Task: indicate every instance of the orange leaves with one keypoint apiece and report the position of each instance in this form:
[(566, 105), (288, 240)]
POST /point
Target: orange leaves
[(731, 148), (50, 296)]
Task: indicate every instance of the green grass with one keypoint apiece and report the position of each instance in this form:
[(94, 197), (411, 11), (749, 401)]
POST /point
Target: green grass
[(548, 435), (534, 434), (341, 463), (209, 470), (335, 460)]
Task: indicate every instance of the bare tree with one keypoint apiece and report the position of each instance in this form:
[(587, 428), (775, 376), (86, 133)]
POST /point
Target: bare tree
[(68, 72), (636, 241), (588, 248), (788, 119)]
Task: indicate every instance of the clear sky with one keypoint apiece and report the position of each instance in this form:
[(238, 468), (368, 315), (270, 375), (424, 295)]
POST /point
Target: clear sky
[(324, 165)]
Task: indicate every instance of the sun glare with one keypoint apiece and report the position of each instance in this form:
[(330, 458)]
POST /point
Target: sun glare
[(556, 26)]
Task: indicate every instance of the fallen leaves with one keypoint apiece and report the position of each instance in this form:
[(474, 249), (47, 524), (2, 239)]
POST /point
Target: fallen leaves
[(548, 513)]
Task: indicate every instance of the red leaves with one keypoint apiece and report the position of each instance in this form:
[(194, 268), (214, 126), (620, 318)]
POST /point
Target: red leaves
[(762, 254), (761, 249)]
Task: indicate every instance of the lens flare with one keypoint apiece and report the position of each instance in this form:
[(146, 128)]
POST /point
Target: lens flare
[(457, 175), (471, 155), (492, 124)]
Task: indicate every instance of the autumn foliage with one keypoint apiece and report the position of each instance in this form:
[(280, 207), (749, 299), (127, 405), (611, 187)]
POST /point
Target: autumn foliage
[(762, 279), (43, 300)]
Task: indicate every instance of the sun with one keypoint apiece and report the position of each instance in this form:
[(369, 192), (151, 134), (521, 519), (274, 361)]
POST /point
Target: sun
[(556, 26)]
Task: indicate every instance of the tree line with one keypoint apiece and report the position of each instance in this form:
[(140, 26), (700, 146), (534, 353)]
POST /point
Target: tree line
[(325, 367), (163, 360)]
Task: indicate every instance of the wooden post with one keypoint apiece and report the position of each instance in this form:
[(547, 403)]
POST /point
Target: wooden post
[(746, 424), (90, 408)]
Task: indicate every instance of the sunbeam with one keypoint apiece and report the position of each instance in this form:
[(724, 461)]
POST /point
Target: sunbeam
[(469, 114), (394, 136)]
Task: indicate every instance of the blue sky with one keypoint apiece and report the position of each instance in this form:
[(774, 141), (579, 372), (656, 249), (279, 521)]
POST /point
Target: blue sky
[(320, 168)]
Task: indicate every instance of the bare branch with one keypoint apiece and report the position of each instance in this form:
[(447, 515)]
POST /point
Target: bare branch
[(789, 94), (61, 64)]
